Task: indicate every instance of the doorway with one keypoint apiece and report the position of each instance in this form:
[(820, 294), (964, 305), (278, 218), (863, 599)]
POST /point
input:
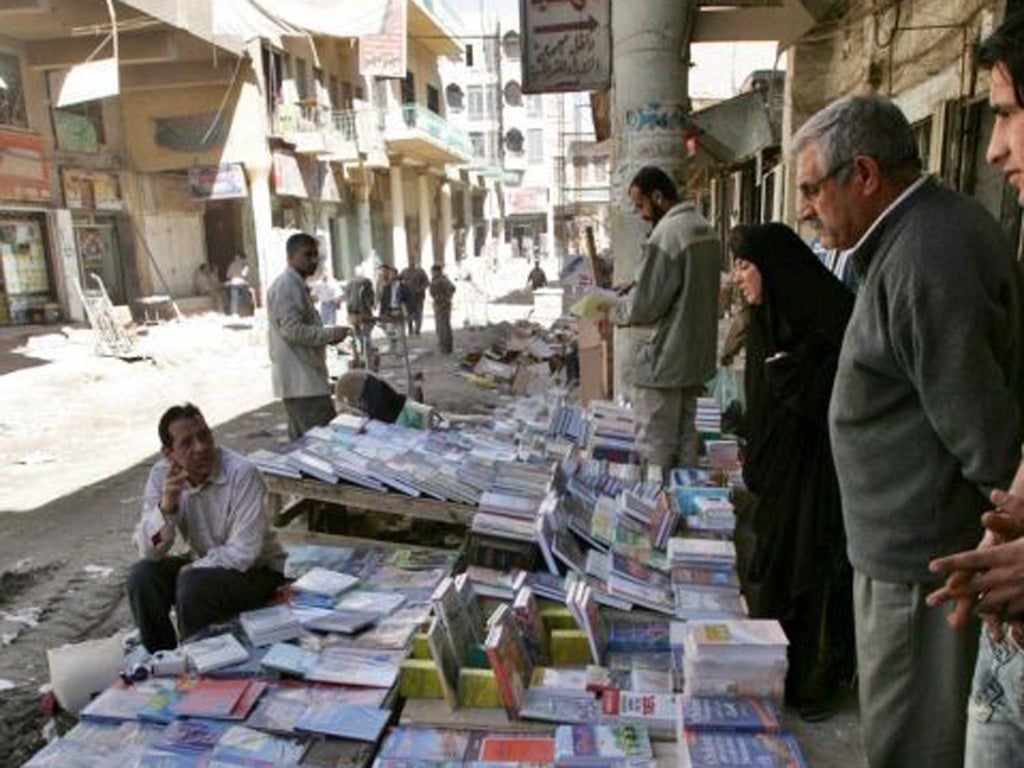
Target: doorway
[(222, 222), (98, 254)]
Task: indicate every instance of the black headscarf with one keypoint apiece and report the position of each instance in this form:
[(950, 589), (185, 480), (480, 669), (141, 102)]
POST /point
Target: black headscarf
[(803, 308)]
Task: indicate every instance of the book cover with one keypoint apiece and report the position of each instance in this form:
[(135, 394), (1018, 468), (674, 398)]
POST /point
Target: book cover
[(118, 703), (246, 746), (192, 735), (322, 581), (215, 652), (220, 699), (290, 659), (723, 713), (655, 710), (345, 721), (371, 601), (425, 744), (711, 749), (445, 661), (471, 607), (559, 706), (526, 613), (356, 666), (585, 744), (517, 749), (342, 621)]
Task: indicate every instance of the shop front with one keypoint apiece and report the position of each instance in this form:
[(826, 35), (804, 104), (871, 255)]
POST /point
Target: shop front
[(94, 198), (27, 287)]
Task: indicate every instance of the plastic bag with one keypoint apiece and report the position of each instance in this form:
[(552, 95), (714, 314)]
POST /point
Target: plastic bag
[(725, 388)]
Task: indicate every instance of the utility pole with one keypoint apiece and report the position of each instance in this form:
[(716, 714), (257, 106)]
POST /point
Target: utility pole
[(650, 103)]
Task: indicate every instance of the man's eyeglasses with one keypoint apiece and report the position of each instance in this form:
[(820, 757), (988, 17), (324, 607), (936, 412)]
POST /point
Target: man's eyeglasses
[(811, 189)]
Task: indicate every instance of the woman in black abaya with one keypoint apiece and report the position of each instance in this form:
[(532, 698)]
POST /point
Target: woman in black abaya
[(798, 572)]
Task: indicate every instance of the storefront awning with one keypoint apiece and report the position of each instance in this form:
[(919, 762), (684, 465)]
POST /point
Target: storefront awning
[(230, 24)]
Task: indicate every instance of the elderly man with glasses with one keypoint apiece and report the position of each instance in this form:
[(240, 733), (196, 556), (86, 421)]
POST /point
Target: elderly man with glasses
[(925, 415)]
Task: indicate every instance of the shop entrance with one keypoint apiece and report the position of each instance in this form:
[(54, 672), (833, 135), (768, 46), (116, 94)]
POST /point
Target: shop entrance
[(25, 284), (96, 241), (224, 238)]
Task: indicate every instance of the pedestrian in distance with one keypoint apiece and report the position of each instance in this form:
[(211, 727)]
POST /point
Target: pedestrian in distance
[(441, 293)]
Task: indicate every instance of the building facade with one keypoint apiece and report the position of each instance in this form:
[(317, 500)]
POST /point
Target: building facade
[(223, 133)]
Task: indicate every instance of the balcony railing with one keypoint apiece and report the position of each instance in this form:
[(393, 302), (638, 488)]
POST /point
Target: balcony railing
[(366, 127), (443, 13), (423, 119)]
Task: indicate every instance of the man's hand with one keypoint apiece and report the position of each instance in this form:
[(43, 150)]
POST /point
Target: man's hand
[(174, 482), (338, 334), (991, 578)]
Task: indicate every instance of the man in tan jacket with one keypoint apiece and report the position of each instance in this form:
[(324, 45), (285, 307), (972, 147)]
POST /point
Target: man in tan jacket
[(298, 341), (674, 308)]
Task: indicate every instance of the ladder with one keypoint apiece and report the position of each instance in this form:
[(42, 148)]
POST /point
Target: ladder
[(111, 340)]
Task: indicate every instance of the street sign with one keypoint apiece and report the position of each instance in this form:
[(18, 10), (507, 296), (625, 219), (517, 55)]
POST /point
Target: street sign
[(567, 45)]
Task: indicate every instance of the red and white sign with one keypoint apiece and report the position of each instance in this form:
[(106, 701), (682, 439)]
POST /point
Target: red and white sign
[(24, 170), (519, 200), (384, 55)]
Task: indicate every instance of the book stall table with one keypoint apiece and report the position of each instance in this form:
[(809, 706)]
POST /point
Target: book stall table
[(361, 498)]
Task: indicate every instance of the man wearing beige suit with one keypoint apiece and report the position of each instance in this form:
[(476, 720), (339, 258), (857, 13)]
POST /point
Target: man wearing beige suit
[(298, 341)]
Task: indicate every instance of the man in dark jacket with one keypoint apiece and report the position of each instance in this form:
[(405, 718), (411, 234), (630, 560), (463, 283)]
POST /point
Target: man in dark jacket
[(925, 415)]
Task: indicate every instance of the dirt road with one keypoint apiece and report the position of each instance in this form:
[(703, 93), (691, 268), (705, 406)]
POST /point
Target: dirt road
[(77, 438)]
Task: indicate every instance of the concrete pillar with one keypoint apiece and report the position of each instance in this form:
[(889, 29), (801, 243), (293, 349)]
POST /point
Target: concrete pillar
[(270, 263), (426, 254), (399, 243), (447, 237), (499, 207), (467, 219), (649, 103), (550, 239), (365, 228)]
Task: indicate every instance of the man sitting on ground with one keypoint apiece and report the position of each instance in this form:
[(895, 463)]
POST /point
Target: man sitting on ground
[(214, 498)]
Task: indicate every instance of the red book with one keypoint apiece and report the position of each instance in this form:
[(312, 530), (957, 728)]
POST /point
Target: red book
[(220, 699), (508, 749)]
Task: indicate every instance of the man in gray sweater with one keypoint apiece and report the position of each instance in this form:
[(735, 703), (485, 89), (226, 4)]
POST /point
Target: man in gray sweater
[(674, 309), (925, 414)]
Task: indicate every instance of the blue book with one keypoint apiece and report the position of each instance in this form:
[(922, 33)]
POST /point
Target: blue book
[(708, 749), (345, 721), (722, 713), (290, 659), (192, 735)]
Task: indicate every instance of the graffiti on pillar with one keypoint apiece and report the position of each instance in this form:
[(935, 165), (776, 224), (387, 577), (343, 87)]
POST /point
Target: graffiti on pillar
[(567, 45), (653, 134)]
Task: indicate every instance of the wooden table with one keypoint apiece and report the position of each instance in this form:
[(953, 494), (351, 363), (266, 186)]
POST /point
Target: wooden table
[(363, 498)]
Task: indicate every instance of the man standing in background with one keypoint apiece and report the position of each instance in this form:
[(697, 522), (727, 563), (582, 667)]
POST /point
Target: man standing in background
[(441, 292), (674, 309), (298, 341), (416, 283)]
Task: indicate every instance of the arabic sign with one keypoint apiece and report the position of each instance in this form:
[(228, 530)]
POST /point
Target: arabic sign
[(217, 182), (567, 45), (384, 55), (91, 190), (523, 200), (24, 170)]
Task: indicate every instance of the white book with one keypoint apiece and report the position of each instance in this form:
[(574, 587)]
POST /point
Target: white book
[(215, 652), (324, 582)]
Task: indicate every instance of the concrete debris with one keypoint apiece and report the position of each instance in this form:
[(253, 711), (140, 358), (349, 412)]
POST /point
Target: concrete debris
[(98, 571), (28, 616)]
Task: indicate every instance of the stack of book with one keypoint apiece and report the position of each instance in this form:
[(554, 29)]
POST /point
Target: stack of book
[(735, 658), (709, 417), (267, 626), (612, 433), (630, 579), (715, 516)]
